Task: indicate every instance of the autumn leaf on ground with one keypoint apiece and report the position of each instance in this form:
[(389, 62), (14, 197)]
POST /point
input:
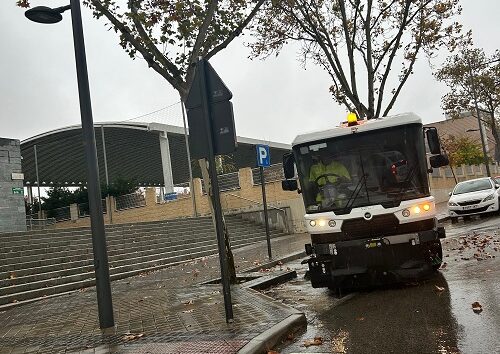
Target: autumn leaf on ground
[(190, 302), (132, 336), (12, 275), (443, 266), (439, 288), (187, 311), (315, 341), (360, 319), (272, 352), (476, 307)]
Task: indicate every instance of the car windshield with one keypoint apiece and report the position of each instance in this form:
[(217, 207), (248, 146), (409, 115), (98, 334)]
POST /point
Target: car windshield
[(472, 186), (367, 168)]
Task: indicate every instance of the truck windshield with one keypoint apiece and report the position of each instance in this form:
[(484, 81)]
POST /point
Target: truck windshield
[(382, 167)]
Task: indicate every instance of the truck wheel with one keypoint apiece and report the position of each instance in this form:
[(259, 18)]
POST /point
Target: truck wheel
[(454, 219)]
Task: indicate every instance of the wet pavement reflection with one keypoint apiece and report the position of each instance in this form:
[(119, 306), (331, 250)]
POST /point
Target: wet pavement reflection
[(431, 316)]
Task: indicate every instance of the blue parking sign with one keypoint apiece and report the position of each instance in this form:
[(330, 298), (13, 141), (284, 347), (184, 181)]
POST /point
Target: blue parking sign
[(263, 156)]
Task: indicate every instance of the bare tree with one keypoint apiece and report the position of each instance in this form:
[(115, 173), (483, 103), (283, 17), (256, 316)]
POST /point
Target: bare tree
[(359, 42)]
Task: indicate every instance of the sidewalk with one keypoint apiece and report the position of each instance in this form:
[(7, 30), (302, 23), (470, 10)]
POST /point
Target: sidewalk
[(166, 311)]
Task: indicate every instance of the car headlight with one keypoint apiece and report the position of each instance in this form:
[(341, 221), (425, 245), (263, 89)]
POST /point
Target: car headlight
[(490, 197), (452, 204)]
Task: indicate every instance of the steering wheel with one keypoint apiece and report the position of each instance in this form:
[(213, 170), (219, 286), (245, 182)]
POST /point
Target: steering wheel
[(325, 175)]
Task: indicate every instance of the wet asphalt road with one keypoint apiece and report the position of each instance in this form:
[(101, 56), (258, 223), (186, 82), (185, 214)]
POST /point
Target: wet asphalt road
[(410, 318)]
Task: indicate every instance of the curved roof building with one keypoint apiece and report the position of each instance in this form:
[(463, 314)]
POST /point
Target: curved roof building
[(152, 153)]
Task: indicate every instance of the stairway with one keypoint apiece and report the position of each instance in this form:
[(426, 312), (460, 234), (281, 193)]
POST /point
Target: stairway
[(44, 263)]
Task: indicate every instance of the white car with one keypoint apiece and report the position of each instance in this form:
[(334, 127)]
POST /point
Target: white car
[(473, 197)]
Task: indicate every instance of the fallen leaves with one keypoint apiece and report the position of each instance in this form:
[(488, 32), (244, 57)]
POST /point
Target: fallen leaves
[(12, 275), (439, 288), (188, 311), (131, 336), (477, 307), (315, 341)]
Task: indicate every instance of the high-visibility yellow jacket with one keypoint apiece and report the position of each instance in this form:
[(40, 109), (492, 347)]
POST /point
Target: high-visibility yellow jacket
[(321, 169)]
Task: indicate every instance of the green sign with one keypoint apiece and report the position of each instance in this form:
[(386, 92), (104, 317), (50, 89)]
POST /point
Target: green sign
[(17, 190)]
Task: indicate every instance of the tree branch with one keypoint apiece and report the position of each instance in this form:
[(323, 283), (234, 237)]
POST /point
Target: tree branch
[(391, 58), (236, 32), (138, 46)]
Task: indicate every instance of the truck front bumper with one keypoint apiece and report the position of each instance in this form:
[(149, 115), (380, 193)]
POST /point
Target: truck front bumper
[(391, 258)]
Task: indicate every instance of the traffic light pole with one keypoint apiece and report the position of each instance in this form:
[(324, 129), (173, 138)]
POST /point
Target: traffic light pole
[(219, 227)]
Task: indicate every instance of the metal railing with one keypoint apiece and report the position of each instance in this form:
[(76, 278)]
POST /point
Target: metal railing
[(281, 210), (273, 173), (227, 182), (39, 224), (129, 201), (84, 209), (60, 214)]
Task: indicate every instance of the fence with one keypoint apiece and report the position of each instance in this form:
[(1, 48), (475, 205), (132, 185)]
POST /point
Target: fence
[(227, 182), (38, 224), (60, 214), (84, 209), (273, 173), (129, 201)]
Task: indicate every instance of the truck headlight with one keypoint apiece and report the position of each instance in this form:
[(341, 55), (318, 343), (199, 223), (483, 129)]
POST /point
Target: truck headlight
[(332, 223), (452, 204), (490, 197)]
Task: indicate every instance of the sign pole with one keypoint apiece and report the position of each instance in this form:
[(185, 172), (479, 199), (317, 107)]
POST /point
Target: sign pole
[(219, 227), (263, 183)]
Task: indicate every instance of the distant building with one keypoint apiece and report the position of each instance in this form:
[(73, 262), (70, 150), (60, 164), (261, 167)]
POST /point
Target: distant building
[(467, 125)]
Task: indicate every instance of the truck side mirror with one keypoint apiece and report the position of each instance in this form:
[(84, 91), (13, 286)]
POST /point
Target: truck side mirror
[(433, 140), (439, 161), (289, 166), (289, 185)]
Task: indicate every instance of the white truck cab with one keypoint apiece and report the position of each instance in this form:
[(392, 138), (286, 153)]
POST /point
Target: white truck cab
[(380, 222)]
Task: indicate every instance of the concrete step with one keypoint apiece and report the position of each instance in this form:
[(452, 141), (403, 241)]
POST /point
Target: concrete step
[(45, 247), (85, 279), (47, 263), (70, 238), (85, 251), (38, 274), (43, 234)]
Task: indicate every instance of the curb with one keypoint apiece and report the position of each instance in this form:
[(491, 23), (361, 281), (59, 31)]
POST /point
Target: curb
[(443, 218), (266, 281), (288, 258), (268, 339)]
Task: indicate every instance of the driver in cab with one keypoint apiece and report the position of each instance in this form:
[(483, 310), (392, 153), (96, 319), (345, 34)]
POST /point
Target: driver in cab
[(327, 171)]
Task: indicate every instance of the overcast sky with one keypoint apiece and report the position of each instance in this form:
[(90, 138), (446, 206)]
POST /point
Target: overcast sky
[(273, 99)]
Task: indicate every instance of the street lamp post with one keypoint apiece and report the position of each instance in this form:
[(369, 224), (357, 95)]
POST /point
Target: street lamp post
[(476, 107), (481, 130), (42, 14)]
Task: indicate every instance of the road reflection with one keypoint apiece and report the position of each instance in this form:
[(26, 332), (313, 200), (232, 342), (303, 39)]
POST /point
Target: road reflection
[(411, 319)]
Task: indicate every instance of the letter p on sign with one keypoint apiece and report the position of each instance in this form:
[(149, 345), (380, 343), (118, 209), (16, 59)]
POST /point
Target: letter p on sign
[(263, 156)]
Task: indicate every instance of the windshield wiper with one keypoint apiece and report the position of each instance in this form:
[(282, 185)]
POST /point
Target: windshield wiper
[(355, 193), (408, 179)]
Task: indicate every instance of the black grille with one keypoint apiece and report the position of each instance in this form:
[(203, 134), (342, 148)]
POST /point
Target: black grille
[(470, 202), (470, 211), (382, 225)]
